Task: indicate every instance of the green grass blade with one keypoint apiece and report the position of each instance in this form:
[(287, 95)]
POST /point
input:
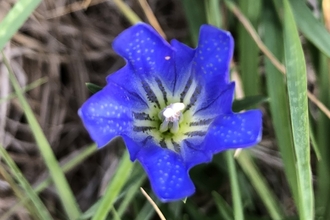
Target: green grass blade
[(127, 12), (136, 177), (15, 19), (195, 13), (93, 88), (18, 192), (248, 51), (115, 214), (297, 89), (81, 156), (213, 13), (315, 145), (122, 174), (27, 88), (323, 139), (260, 185), (131, 192), (146, 212), (236, 194), (39, 206), (62, 186), (247, 102), (194, 211), (278, 101), (223, 207), (311, 28)]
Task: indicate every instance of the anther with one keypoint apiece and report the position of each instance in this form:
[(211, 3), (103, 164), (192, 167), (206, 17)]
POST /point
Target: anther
[(171, 117)]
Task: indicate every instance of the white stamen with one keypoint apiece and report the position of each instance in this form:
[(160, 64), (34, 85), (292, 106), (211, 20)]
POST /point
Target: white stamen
[(171, 117), (163, 126), (169, 113)]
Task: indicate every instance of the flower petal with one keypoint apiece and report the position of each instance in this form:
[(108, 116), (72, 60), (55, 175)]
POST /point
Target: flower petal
[(132, 146), (193, 155), (128, 81), (213, 55), (167, 173), (234, 131), (218, 105), (183, 57), (147, 53), (107, 114)]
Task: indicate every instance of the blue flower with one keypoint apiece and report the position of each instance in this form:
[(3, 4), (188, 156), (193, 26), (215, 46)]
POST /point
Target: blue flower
[(172, 106)]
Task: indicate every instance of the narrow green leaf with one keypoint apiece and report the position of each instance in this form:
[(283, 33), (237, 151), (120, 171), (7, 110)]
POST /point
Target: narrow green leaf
[(323, 139), (27, 88), (62, 186), (93, 88), (297, 89), (247, 102), (114, 187), (115, 214), (278, 101), (18, 192), (315, 145), (311, 28), (131, 16), (260, 185), (213, 13), (81, 156), (39, 206), (15, 19), (194, 211), (146, 212), (224, 209), (131, 192), (248, 51), (195, 13), (236, 194)]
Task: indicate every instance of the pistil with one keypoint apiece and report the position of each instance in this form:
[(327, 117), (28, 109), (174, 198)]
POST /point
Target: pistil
[(171, 117)]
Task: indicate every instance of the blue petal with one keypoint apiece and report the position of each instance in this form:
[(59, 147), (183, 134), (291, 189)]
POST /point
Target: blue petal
[(193, 155), (107, 114), (183, 56), (167, 173), (218, 105), (234, 131), (128, 81), (212, 58), (132, 146), (147, 53)]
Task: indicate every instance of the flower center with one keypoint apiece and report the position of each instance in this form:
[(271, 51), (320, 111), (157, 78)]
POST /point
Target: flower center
[(171, 117)]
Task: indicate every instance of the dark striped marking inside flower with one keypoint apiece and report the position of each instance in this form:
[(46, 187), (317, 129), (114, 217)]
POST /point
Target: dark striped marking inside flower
[(162, 89), (150, 94)]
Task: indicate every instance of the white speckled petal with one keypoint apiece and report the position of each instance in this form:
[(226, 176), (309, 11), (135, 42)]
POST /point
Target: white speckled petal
[(234, 131), (212, 57), (167, 173), (107, 114), (147, 53), (220, 104), (194, 154), (183, 57)]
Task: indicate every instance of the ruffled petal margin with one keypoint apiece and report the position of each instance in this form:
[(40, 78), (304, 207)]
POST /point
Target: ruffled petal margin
[(167, 173), (107, 114), (234, 131)]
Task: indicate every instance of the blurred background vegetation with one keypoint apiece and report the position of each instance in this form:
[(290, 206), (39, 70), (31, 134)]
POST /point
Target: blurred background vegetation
[(49, 168)]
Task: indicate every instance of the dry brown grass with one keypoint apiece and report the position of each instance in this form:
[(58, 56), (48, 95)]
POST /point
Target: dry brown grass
[(69, 45)]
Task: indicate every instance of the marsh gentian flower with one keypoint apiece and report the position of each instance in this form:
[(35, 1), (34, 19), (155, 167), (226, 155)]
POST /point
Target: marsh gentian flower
[(172, 106)]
